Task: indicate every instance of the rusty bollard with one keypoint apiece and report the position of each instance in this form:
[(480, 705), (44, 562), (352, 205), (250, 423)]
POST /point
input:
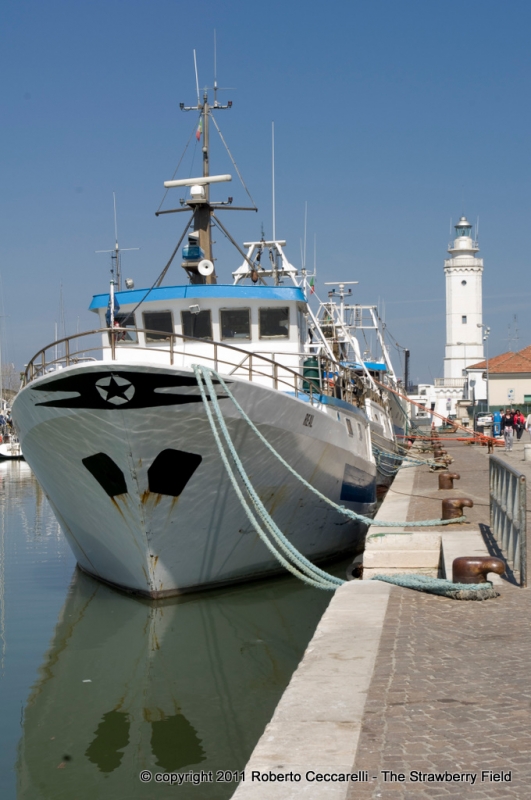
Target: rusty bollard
[(446, 480), (452, 508), (474, 569)]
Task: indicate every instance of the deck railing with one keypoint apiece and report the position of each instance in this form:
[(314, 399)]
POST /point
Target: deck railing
[(507, 490), (325, 377)]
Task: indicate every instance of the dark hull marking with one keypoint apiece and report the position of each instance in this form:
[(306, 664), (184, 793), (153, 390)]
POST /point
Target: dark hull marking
[(116, 389), (108, 474), (171, 471)]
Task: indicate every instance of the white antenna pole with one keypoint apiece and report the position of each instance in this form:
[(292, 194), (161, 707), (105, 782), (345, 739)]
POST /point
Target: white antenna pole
[(273, 177), (305, 226), (215, 70), (118, 275), (196, 78), (111, 298), (115, 220), (315, 254)]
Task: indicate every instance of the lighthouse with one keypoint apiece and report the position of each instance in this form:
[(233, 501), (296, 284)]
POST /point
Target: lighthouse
[(464, 272)]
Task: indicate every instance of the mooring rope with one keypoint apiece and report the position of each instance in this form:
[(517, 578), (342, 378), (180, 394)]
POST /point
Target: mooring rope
[(441, 586), (302, 568), (208, 371)]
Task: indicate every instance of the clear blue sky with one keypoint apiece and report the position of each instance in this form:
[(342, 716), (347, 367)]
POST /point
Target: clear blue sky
[(390, 118)]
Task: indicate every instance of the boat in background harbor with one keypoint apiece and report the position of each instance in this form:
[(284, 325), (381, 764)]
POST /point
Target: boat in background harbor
[(10, 449), (118, 428)]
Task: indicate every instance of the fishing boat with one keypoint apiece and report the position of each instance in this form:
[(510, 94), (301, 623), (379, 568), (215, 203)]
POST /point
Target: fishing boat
[(343, 323), (10, 448), (120, 427)]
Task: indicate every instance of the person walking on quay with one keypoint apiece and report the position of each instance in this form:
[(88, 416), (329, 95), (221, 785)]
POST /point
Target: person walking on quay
[(508, 426), (528, 425), (519, 421)]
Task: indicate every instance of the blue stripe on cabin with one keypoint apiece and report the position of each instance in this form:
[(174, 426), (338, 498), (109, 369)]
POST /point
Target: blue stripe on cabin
[(202, 291)]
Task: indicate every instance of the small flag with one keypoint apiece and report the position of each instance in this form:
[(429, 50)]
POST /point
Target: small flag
[(312, 287), (199, 130)]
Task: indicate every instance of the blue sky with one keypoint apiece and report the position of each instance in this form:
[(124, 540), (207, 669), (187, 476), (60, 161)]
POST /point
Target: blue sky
[(390, 119)]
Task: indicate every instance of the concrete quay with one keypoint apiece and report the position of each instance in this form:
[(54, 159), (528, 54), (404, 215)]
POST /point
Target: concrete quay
[(398, 687)]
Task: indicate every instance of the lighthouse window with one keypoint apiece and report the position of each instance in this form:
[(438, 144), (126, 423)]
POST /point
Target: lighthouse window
[(235, 323), (463, 283), (198, 325), (463, 320), (158, 321), (274, 323)]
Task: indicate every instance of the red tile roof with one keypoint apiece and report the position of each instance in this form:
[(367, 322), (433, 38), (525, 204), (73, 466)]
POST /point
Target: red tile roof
[(507, 363)]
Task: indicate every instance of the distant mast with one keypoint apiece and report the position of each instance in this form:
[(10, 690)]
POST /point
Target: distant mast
[(116, 261)]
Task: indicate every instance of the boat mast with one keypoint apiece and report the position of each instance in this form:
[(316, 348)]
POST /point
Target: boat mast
[(200, 203), (203, 210), (116, 261)]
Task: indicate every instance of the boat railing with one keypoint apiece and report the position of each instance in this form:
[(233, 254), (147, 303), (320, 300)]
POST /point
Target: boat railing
[(323, 377)]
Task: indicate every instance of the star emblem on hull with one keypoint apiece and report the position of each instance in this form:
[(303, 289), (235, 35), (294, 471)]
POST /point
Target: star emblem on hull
[(115, 390)]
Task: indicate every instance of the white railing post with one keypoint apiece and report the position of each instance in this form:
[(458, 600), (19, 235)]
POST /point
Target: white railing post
[(508, 511)]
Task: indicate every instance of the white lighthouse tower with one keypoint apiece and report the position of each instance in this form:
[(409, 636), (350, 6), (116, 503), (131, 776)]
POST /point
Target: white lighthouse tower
[(464, 272)]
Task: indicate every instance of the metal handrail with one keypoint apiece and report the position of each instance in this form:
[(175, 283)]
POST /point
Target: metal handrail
[(317, 385), (508, 518)]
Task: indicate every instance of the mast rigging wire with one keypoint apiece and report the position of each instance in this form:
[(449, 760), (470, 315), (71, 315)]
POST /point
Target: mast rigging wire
[(178, 165), (233, 161)]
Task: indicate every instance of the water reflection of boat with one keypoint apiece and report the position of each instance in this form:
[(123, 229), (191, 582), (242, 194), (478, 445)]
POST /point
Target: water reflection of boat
[(184, 685)]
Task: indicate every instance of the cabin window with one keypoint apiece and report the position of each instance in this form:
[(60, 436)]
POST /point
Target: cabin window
[(463, 320), (125, 337), (198, 325), (360, 433), (274, 323), (235, 323), (349, 426), (161, 321)]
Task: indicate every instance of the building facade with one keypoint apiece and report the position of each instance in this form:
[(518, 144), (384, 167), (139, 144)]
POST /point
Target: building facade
[(509, 379)]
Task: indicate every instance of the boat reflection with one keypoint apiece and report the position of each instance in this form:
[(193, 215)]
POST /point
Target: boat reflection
[(185, 684)]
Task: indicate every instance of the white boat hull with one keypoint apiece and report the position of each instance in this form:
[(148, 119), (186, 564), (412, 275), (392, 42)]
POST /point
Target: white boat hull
[(10, 450), (138, 486)]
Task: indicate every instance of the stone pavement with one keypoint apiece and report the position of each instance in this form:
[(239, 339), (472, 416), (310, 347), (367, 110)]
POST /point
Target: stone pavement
[(451, 687)]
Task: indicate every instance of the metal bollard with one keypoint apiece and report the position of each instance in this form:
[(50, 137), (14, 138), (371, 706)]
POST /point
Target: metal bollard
[(452, 508), (446, 480), (474, 569)]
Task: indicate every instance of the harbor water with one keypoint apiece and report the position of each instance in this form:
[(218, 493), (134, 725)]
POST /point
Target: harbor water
[(97, 686)]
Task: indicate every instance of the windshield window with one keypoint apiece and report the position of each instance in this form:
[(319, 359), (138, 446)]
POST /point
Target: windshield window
[(198, 325), (158, 321), (235, 323), (125, 337), (274, 323)]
